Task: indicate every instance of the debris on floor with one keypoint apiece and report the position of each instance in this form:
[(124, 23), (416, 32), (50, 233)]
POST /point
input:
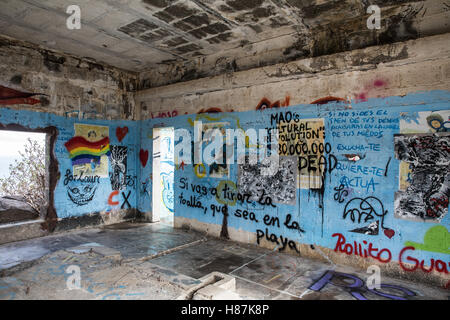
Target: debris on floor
[(157, 262)]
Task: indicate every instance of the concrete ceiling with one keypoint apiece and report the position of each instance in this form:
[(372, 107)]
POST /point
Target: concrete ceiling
[(142, 35)]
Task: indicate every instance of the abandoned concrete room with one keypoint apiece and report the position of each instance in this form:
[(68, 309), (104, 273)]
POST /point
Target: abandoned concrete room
[(244, 151)]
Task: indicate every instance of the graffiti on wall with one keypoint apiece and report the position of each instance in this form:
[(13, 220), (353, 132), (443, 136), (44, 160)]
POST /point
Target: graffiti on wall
[(146, 187), (371, 89), (424, 195), (83, 114), (328, 99), (81, 195), (126, 200), (118, 176), (436, 239), (305, 138), (10, 96), (423, 148), (111, 198), (167, 165), (167, 192), (267, 104), (363, 146), (229, 198), (368, 211), (212, 110), (366, 249), (164, 114), (217, 169), (410, 263), (281, 187), (425, 122), (143, 157), (363, 167), (121, 132), (89, 150), (113, 201), (80, 188)]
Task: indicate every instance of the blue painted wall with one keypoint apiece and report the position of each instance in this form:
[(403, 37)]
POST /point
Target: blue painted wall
[(318, 214), (65, 208), (375, 175)]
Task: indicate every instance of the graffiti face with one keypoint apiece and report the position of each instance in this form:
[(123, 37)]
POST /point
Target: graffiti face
[(81, 195)]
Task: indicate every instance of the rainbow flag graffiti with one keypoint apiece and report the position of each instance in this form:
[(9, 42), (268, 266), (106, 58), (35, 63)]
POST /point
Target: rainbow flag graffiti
[(82, 151)]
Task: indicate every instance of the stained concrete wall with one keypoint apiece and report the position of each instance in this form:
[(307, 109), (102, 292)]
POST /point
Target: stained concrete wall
[(66, 85), (382, 71), (357, 211), (264, 33)]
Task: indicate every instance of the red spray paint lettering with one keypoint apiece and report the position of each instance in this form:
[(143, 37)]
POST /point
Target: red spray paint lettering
[(438, 265), (111, 196), (383, 255), (168, 114)]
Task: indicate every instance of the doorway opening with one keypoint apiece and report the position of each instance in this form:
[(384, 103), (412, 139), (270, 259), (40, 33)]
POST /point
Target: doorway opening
[(163, 175), (24, 176)]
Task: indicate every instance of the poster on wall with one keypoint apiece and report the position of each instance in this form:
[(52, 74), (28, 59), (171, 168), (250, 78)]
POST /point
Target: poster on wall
[(304, 138), (423, 148), (216, 170), (89, 150), (280, 187)]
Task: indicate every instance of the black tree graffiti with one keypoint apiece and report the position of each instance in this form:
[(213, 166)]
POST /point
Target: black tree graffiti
[(118, 176)]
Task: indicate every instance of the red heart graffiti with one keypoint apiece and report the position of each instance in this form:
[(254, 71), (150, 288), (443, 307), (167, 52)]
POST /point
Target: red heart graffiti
[(389, 233), (121, 133), (143, 155)]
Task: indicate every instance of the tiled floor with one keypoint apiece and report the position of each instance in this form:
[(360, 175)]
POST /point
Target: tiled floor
[(259, 273)]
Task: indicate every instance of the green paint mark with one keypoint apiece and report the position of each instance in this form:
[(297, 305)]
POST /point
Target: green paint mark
[(436, 239)]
